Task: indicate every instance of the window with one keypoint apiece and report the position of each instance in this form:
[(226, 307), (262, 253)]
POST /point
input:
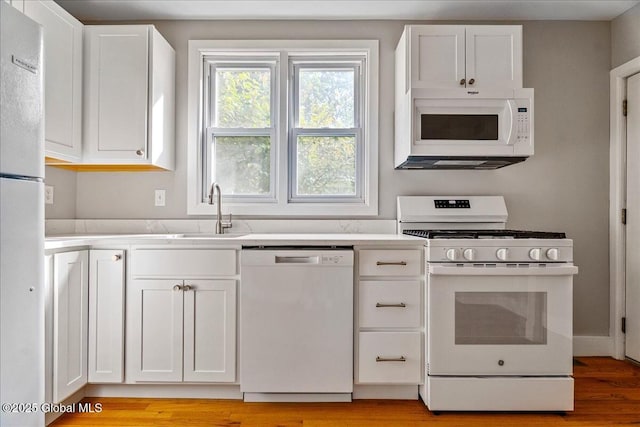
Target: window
[(239, 127), (285, 128)]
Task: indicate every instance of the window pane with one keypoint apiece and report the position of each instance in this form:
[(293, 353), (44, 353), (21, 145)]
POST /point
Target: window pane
[(326, 165), (243, 164), (243, 98), (326, 98)]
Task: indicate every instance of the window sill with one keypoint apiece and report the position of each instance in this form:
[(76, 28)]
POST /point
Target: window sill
[(328, 210)]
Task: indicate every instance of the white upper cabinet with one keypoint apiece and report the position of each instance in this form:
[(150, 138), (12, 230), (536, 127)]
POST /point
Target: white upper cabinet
[(449, 56), (494, 56), (62, 78), (129, 89)]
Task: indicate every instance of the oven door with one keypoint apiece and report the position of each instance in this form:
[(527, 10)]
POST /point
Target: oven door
[(500, 320)]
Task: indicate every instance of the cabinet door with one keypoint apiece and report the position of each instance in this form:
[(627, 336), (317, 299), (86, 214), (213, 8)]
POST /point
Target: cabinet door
[(70, 318), (437, 56), (156, 342), (494, 56), (116, 93), (210, 330), (62, 37), (106, 316)]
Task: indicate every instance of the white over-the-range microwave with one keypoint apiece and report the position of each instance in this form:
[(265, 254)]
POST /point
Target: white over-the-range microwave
[(464, 128)]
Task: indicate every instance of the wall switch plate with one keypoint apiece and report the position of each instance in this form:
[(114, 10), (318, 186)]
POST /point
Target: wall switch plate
[(160, 197), (48, 194)]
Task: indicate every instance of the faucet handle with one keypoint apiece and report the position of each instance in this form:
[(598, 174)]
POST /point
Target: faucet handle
[(227, 224)]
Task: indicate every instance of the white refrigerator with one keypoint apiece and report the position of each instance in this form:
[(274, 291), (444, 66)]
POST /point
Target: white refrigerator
[(21, 220)]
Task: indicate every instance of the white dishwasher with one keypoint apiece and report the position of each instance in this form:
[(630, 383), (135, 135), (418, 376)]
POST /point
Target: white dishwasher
[(296, 324)]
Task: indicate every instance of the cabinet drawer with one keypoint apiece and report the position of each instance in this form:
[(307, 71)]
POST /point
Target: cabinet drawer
[(389, 304), (390, 262), (389, 357), (183, 263)]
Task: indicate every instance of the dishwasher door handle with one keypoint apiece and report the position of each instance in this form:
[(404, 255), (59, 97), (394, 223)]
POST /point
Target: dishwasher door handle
[(292, 259)]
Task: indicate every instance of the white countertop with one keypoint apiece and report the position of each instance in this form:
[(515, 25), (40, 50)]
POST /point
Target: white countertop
[(275, 239)]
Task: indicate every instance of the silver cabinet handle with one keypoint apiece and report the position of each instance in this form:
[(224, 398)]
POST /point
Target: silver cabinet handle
[(472, 81), (140, 152), (390, 359), (462, 82), (399, 305), (186, 288), (177, 288), (116, 257), (391, 262)]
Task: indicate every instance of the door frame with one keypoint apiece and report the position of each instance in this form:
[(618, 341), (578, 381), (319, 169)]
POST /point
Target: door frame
[(617, 196)]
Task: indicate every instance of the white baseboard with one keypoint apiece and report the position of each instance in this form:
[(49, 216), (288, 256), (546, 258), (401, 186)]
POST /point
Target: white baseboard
[(178, 391), (53, 415), (297, 397), (392, 391), (584, 345)]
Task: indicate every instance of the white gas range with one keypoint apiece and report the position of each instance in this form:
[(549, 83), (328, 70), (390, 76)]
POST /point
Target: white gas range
[(498, 307)]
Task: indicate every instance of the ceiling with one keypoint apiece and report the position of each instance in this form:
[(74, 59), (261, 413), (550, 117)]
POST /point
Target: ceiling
[(132, 10)]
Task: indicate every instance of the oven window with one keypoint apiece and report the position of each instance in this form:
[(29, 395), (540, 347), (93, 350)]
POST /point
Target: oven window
[(461, 127), (503, 318)]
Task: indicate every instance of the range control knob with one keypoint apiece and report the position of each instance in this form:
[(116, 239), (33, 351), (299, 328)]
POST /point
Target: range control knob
[(502, 253), (534, 254), (451, 254), (469, 254), (552, 254)]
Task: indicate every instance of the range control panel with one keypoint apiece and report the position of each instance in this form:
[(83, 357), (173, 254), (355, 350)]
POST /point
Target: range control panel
[(452, 204)]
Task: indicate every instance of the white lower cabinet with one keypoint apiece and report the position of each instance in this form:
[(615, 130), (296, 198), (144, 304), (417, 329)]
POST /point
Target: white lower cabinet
[(389, 357), (181, 330), (390, 316), (156, 329), (70, 319), (210, 331), (106, 316)]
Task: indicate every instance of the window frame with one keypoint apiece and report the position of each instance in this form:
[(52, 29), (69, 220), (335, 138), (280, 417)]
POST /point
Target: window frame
[(366, 205), (211, 63), (332, 62)]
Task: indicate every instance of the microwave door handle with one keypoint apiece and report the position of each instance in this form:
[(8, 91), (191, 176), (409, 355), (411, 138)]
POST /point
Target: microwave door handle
[(510, 127)]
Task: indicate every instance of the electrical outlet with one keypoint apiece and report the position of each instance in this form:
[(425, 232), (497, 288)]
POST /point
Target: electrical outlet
[(48, 194), (160, 197)]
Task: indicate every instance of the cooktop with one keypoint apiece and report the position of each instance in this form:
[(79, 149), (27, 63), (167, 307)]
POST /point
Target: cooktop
[(485, 234)]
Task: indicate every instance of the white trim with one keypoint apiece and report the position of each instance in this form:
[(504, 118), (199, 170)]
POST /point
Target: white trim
[(199, 48), (297, 397), (389, 391), (617, 201), (584, 345), (192, 391)]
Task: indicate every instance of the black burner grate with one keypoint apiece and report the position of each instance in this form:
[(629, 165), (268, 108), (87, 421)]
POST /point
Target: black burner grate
[(485, 234)]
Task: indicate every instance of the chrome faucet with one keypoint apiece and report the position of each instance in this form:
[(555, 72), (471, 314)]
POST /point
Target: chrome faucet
[(220, 224)]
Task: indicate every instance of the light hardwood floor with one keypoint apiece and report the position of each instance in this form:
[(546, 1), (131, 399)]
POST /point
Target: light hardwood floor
[(607, 392)]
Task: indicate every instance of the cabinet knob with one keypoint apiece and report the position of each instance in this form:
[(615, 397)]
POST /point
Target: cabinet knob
[(117, 257), (472, 81), (177, 288), (462, 82), (140, 152), (186, 288)]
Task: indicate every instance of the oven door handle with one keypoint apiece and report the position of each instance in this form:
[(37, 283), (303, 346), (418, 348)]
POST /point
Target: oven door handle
[(441, 270)]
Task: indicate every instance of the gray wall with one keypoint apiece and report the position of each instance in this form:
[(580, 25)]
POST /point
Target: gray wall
[(625, 37), (564, 186), (64, 195)]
